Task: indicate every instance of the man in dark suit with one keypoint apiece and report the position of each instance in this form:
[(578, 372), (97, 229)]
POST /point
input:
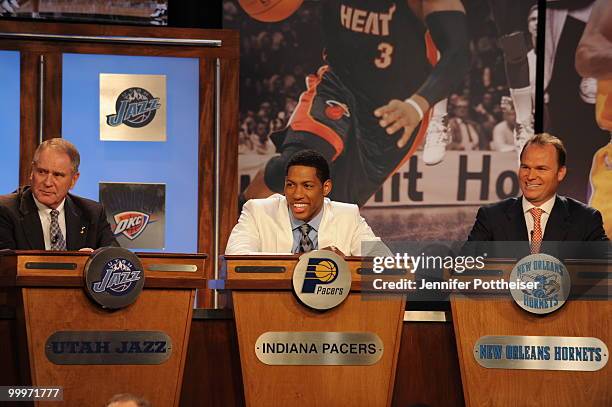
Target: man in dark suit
[(44, 216), (540, 215)]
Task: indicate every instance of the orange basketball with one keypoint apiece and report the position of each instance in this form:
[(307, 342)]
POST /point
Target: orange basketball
[(326, 271), (270, 11)]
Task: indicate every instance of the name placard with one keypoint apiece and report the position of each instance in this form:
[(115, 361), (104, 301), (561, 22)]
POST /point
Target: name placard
[(319, 348), (541, 353), (108, 347)]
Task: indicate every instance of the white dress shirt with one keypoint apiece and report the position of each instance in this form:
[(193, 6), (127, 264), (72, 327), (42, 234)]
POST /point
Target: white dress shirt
[(546, 209), (44, 213)]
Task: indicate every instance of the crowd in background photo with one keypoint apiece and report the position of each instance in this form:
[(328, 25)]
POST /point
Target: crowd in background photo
[(278, 57)]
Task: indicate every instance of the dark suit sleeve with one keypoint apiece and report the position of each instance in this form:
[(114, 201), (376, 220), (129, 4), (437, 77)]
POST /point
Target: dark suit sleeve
[(481, 231), (595, 230), (105, 235), (7, 230)]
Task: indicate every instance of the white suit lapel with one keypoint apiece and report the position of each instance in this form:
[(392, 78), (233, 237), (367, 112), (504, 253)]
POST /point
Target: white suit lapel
[(284, 236), (327, 230)]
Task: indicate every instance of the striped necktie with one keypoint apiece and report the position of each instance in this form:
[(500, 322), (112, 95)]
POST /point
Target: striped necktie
[(57, 238)]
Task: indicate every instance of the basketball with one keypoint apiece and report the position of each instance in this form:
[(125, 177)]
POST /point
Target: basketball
[(270, 11), (326, 271)]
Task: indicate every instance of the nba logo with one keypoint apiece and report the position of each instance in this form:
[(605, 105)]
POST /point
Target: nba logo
[(319, 272)]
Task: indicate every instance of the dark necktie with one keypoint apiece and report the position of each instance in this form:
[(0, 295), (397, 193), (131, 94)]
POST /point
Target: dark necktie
[(57, 239), (305, 242)]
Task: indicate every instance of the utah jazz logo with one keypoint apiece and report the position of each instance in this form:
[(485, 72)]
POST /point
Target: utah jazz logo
[(119, 274), (319, 272), (135, 108), (131, 223)]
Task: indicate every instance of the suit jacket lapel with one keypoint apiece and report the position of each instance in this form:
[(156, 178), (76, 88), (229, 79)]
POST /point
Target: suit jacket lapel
[(327, 232), (30, 221), (517, 230), (284, 236), (76, 226), (558, 221)]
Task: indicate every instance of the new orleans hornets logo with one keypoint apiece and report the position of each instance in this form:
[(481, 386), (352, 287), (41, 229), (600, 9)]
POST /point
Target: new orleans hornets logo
[(319, 272), (135, 108), (552, 283)]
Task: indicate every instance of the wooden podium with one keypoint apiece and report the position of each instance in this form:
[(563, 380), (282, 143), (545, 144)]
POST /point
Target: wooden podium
[(477, 316), (46, 291), (264, 302)]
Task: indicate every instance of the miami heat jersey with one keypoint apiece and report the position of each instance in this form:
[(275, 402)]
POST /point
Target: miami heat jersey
[(376, 47)]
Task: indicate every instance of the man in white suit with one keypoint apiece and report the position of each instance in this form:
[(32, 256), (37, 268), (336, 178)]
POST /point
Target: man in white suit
[(302, 220)]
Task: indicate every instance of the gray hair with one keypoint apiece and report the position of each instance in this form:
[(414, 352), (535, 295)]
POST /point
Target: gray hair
[(62, 145), (128, 397)]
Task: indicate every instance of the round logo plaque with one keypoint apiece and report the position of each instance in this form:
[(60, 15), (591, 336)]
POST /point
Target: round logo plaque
[(551, 279), (321, 279), (114, 277)]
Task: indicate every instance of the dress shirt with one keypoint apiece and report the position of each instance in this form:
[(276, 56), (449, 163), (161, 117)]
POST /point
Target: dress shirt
[(546, 210), (314, 230), (44, 213)]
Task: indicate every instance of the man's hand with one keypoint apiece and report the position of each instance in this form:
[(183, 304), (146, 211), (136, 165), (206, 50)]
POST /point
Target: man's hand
[(8, 6), (334, 249), (397, 114)]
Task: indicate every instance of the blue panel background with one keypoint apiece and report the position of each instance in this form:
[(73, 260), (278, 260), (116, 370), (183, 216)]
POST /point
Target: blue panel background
[(9, 120), (174, 162)]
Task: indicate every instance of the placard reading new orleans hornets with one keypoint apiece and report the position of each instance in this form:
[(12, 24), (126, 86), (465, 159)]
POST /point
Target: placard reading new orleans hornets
[(321, 279), (133, 107)]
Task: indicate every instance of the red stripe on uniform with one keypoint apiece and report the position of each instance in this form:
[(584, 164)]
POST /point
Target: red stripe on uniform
[(301, 120)]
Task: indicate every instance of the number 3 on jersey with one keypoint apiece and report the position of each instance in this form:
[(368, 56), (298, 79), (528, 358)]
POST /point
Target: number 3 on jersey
[(383, 59)]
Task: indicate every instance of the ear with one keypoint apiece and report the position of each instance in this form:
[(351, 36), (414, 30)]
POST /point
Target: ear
[(327, 187), (75, 177), (561, 173)]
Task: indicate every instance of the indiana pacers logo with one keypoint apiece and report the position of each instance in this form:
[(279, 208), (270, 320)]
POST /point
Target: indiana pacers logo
[(321, 279), (135, 108), (319, 273), (552, 283)]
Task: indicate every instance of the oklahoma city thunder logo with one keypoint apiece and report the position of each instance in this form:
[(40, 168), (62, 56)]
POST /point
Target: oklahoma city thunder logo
[(131, 223), (321, 279), (135, 108), (552, 283), (319, 272)]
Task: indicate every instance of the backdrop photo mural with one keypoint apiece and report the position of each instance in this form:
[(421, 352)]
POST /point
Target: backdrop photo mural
[(338, 61)]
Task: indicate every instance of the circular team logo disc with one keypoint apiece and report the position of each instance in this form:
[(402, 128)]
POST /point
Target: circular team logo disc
[(552, 283), (321, 279), (114, 277)]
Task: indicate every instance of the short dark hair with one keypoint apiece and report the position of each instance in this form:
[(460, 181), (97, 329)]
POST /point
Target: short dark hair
[(140, 402), (543, 139), (310, 158)]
